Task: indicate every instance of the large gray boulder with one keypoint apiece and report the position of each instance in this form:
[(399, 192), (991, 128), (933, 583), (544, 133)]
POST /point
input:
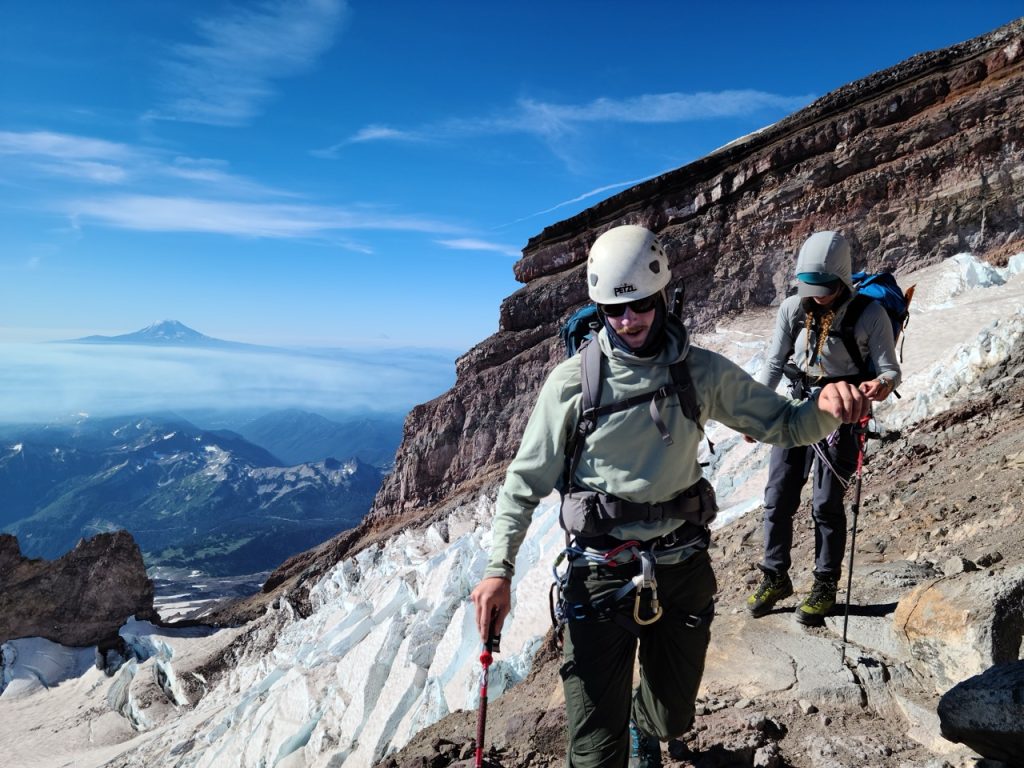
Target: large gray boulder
[(958, 626), (986, 712), (80, 599)]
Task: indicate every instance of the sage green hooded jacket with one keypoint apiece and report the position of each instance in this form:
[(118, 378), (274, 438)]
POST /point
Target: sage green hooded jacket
[(625, 455)]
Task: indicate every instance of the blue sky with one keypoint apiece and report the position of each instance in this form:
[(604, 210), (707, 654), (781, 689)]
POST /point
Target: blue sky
[(331, 173)]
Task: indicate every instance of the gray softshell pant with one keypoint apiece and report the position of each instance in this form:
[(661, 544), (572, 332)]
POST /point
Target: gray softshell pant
[(788, 471), (599, 655)]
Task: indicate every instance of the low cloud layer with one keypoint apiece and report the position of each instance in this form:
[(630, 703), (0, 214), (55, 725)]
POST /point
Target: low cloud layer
[(41, 382)]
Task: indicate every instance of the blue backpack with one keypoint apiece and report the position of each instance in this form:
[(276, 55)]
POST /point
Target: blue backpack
[(582, 325), (883, 288)]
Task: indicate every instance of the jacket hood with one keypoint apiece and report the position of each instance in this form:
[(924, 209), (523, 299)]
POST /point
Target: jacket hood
[(824, 254)]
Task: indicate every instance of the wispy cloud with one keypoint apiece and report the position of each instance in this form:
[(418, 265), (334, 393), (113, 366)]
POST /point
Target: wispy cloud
[(85, 170), (472, 244), (377, 132), (97, 161), (662, 107), (163, 192), (228, 77), (62, 146), (368, 134), (586, 196), (90, 160), (154, 213), (214, 174), (550, 121)]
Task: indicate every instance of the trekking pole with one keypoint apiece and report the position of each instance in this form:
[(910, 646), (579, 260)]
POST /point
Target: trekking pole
[(486, 657), (862, 435)]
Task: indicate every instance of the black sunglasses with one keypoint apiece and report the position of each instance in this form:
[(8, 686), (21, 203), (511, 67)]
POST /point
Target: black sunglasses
[(639, 306)]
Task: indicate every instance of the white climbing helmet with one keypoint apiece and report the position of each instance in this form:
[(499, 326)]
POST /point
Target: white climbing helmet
[(626, 263)]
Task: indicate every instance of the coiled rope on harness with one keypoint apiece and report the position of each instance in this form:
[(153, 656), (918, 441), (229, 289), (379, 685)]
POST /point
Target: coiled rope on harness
[(860, 431), (802, 387)]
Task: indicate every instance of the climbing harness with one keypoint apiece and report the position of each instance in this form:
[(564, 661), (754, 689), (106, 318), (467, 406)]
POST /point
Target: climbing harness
[(646, 607)]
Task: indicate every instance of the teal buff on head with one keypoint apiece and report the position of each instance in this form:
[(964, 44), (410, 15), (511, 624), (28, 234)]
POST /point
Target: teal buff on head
[(655, 337), (817, 278)]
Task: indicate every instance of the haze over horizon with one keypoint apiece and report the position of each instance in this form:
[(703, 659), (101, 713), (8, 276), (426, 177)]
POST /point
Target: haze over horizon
[(139, 373), (339, 174)]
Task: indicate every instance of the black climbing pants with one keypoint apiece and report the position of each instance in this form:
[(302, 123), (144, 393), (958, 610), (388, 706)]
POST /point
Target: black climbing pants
[(599, 656), (788, 471)]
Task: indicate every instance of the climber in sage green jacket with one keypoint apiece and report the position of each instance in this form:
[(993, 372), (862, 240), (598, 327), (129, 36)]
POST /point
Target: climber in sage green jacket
[(637, 471)]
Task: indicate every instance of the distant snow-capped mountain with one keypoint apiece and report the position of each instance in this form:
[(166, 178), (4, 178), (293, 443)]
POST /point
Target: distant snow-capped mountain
[(164, 333)]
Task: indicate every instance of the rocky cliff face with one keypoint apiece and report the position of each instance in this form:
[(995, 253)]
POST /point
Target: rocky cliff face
[(912, 164), (79, 599)]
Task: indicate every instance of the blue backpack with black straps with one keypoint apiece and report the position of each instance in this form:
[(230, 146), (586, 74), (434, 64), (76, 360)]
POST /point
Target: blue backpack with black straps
[(883, 288)]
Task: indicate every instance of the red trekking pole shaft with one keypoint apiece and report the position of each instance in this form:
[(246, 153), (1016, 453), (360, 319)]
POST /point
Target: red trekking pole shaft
[(862, 437), (486, 657)]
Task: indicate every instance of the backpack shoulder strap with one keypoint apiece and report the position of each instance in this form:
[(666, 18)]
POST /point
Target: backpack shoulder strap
[(685, 391), (687, 395), (590, 375), (590, 380), (846, 329)]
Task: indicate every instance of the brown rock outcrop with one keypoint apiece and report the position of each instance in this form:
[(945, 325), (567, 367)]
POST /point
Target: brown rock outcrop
[(913, 164), (79, 599)]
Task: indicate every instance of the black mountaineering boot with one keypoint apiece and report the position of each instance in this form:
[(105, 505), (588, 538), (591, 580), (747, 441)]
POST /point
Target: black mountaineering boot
[(774, 587), (812, 611)]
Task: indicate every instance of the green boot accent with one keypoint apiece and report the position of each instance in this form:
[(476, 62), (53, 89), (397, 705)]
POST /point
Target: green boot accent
[(812, 611), (774, 587), (644, 750)]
